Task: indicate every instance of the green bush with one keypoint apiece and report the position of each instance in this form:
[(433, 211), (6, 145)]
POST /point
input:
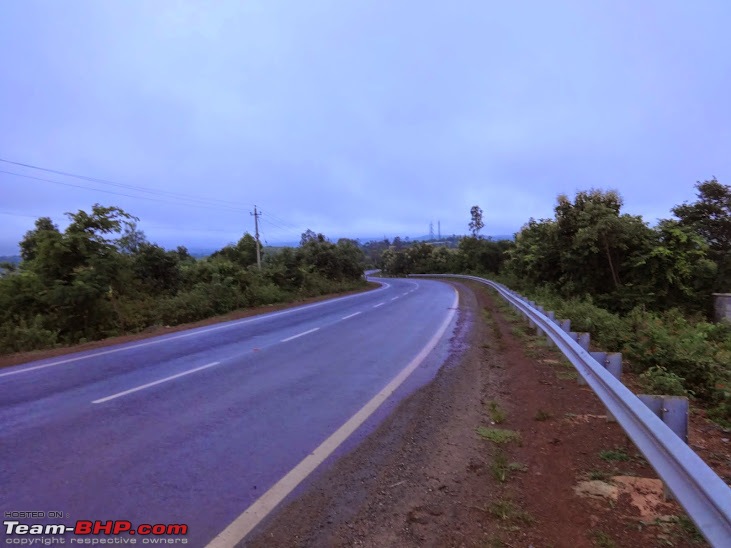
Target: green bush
[(658, 380), (672, 342), (23, 336), (267, 293), (676, 355)]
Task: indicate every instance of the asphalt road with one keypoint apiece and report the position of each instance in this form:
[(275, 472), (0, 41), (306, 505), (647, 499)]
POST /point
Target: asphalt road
[(194, 427)]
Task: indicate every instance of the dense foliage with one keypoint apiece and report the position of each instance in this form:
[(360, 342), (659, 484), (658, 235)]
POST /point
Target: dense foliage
[(645, 291), (591, 248), (101, 277)]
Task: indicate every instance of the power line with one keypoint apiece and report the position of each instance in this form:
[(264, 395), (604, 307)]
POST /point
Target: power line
[(10, 213), (120, 193), (278, 226), (282, 221), (157, 192), (182, 199)]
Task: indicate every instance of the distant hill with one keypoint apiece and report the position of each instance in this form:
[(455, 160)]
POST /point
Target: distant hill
[(14, 259)]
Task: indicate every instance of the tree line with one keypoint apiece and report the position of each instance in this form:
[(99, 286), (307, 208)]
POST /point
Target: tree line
[(100, 277), (644, 290)]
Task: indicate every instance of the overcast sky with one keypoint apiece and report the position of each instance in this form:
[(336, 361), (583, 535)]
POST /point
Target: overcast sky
[(358, 119)]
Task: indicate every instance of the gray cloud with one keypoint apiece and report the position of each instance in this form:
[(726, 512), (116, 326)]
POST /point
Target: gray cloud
[(359, 119)]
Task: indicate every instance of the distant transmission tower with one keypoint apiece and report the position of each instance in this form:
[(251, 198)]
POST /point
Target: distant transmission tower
[(439, 229), (431, 231)]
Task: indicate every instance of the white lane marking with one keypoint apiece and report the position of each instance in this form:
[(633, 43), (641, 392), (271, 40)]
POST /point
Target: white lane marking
[(377, 305), (300, 334), (404, 294), (242, 525), (350, 316), (395, 298), (149, 384), (198, 331)]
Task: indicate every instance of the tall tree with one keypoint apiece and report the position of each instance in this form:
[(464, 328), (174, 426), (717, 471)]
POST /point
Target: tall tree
[(476, 223)]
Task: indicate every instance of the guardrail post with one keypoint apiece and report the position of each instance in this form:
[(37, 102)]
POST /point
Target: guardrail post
[(602, 358), (551, 316), (565, 325), (673, 411), (582, 339), (614, 364)]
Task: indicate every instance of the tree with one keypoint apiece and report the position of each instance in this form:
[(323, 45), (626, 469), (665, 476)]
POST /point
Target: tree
[(310, 236), (132, 239), (536, 256), (157, 269), (597, 243), (476, 223), (675, 270), (243, 253), (709, 215), (44, 231)]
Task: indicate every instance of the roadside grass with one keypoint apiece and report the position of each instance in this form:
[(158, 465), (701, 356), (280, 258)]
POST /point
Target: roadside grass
[(509, 511), (498, 435), (689, 529), (598, 475), (497, 413), (567, 375), (602, 539), (617, 455), (497, 335), (542, 415), (675, 529), (501, 469), (495, 542), (533, 352)]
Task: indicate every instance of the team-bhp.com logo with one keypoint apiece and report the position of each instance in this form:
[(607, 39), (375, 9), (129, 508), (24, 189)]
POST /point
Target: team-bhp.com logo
[(88, 532)]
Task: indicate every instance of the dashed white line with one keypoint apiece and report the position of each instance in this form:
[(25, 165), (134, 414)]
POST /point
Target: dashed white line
[(394, 298), (242, 525), (377, 305), (149, 384), (404, 294), (350, 316), (300, 334)]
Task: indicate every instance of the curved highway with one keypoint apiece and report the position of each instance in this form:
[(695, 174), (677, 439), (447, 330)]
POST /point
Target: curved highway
[(213, 426)]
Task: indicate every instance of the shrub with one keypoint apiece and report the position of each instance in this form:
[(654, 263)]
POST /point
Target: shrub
[(658, 380), (25, 336)]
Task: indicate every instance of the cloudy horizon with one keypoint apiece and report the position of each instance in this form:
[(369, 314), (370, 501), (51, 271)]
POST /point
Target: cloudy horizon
[(356, 119)]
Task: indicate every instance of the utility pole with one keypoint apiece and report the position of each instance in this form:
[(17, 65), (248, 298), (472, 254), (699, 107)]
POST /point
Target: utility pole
[(256, 229)]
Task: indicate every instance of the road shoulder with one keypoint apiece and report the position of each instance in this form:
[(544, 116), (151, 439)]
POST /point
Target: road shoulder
[(503, 448)]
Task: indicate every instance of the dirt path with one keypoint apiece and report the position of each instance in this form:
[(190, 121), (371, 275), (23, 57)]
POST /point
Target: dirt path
[(503, 448)]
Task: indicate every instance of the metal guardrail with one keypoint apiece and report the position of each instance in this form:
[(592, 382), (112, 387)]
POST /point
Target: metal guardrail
[(699, 490)]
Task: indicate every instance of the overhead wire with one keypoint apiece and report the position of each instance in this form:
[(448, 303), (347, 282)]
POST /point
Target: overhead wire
[(157, 192), (122, 193), (163, 196)]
